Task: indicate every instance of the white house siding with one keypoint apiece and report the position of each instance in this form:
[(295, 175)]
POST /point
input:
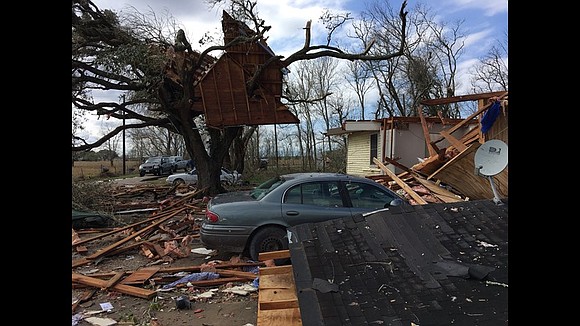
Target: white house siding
[(358, 154), (407, 146)]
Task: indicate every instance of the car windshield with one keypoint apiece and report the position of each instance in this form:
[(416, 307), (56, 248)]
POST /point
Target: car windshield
[(153, 160), (260, 191)]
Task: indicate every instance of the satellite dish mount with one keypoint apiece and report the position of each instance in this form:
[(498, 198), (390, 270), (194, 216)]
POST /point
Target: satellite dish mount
[(490, 159)]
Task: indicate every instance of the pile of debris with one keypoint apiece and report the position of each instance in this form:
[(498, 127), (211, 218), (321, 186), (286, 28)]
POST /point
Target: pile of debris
[(165, 226), (447, 175)]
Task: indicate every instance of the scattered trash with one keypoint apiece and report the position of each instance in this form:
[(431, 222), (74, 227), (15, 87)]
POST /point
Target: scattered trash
[(183, 303), (106, 306), (192, 277), (202, 251), (101, 321), (241, 289), (256, 282), (206, 295), (76, 318)]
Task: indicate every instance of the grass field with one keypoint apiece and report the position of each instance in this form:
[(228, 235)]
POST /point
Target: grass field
[(98, 169)]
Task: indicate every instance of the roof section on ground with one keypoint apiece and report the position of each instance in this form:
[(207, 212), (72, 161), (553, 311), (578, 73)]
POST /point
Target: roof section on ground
[(434, 264)]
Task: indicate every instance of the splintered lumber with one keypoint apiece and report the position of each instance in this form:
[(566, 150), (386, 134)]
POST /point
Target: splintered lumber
[(431, 147), (114, 280), (141, 275), (84, 298), (447, 133), (431, 164), (121, 288), (132, 236), (277, 299), (459, 172), (246, 275), (400, 182), (441, 193)]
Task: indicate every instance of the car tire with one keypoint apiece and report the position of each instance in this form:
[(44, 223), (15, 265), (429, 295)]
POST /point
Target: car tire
[(178, 182), (141, 174), (268, 239)]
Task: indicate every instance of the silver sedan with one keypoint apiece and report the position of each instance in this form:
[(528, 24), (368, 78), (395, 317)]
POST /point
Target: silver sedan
[(255, 221)]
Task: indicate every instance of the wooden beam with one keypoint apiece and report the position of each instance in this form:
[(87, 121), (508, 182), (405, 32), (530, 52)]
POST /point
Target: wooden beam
[(452, 140), (430, 147), (141, 275), (400, 182), (461, 98), (226, 272), (131, 236), (274, 255), (121, 288), (468, 119), (114, 280)]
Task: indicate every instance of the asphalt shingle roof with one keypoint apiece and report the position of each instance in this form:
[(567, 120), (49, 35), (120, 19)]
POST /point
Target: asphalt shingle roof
[(434, 264)]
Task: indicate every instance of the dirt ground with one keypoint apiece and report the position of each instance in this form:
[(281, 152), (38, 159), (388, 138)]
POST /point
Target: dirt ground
[(98, 306)]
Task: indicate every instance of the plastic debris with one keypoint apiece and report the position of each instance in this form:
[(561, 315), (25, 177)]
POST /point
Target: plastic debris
[(241, 289), (182, 303), (101, 321), (191, 278), (202, 251)]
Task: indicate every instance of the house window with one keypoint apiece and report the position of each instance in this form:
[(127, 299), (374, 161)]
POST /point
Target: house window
[(374, 147)]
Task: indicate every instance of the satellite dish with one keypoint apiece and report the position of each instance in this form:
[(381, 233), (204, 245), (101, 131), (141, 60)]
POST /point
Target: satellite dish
[(490, 159)]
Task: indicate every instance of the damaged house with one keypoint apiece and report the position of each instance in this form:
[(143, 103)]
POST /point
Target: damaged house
[(419, 154)]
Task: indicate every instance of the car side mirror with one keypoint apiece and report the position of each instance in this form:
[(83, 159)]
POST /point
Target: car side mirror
[(394, 202)]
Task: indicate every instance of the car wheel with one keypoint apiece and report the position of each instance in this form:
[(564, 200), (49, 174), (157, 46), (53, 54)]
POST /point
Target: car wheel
[(268, 239), (178, 182), (141, 173)]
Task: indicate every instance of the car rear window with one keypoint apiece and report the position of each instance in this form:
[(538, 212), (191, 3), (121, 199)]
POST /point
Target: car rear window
[(260, 191)]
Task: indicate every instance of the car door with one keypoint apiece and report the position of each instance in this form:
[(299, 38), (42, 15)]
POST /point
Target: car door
[(366, 197), (313, 202)]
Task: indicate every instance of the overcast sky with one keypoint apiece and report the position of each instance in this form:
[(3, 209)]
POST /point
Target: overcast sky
[(485, 22)]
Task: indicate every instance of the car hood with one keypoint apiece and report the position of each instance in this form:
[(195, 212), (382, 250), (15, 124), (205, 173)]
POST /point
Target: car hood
[(179, 175), (233, 196)]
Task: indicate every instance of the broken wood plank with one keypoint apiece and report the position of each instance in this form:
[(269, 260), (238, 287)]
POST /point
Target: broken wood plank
[(121, 288), (430, 147), (274, 255), (277, 298), (114, 280), (141, 275), (441, 193), (400, 182), (247, 275), (473, 115), (84, 298), (452, 140), (132, 236)]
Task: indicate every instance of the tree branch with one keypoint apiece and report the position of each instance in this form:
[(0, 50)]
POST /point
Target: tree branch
[(114, 132), (304, 53)]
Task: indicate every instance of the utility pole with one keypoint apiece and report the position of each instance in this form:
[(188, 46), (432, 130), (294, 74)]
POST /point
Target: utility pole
[(124, 166)]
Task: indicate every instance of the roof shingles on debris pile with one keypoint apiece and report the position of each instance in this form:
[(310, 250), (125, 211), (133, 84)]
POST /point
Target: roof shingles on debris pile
[(436, 264)]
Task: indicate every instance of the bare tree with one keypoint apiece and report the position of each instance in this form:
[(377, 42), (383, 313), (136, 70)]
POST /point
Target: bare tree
[(130, 56), (491, 72), (427, 68), (359, 80)]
